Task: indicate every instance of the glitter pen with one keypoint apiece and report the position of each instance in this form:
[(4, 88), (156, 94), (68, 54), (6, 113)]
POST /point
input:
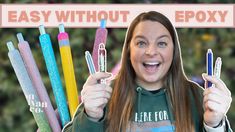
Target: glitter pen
[(27, 86), (35, 76), (209, 64), (102, 59), (217, 69), (90, 63), (68, 70), (53, 72), (100, 37)]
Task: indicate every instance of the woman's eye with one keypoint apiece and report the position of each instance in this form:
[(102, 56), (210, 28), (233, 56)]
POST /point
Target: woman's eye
[(162, 44), (141, 43)]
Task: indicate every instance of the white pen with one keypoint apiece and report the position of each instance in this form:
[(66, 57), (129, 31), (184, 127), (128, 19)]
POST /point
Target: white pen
[(102, 59), (217, 69)]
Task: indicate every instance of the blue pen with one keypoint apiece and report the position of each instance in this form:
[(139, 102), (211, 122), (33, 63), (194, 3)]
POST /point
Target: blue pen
[(90, 62), (209, 64), (27, 87), (53, 72)]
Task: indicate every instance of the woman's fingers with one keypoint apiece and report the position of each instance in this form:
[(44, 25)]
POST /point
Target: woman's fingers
[(214, 96), (219, 84), (95, 96), (95, 103), (94, 78), (96, 88)]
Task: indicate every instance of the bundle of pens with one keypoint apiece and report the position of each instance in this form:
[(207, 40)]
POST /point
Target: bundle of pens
[(31, 82)]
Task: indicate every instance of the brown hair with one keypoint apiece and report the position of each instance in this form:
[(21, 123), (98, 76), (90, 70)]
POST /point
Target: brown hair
[(178, 87)]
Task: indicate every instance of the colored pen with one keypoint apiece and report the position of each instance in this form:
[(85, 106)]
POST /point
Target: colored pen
[(209, 65), (68, 70), (218, 65), (100, 37), (35, 76), (53, 72), (102, 59), (90, 62), (27, 87)]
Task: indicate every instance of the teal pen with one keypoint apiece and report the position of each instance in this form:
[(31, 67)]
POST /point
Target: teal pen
[(53, 72), (27, 87)]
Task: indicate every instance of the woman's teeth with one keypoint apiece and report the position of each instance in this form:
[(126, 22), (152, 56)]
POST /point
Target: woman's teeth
[(151, 63)]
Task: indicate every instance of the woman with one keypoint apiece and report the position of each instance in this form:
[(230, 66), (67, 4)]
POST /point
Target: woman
[(151, 92)]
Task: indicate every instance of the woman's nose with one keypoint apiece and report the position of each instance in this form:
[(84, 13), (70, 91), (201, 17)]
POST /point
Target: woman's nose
[(151, 50)]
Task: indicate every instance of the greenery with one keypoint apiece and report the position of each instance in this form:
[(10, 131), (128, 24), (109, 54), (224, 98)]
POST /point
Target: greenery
[(14, 111)]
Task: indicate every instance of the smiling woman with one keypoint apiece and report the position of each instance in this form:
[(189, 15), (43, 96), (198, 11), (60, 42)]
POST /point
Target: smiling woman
[(151, 53), (151, 92)]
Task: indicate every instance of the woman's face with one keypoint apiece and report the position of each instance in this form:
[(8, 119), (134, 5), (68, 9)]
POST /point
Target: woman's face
[(151, 53)]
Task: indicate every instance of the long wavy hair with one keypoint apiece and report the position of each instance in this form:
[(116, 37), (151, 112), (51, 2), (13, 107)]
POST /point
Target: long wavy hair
[(178, 87)]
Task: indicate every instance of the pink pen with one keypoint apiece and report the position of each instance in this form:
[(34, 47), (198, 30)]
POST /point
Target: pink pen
[(35, 76), (100, 37)]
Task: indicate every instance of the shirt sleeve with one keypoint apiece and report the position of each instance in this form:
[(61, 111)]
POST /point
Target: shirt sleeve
[(223, 127), (220, 128), (82, 123)]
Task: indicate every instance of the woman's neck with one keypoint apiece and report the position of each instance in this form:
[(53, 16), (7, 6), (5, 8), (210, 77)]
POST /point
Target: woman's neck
[(150, 86)]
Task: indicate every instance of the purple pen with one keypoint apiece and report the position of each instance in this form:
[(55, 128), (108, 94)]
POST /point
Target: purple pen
[(100, 37), (209, 65), (37, 82)]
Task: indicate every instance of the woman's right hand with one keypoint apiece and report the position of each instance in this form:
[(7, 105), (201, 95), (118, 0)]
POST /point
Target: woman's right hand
[(95, 96)]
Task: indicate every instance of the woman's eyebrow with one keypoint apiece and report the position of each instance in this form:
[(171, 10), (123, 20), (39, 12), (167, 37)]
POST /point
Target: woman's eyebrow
[(159, 37), (162, 36), (139, 36)]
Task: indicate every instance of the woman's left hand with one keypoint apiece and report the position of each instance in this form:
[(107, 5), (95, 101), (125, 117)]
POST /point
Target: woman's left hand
[(216, 101)]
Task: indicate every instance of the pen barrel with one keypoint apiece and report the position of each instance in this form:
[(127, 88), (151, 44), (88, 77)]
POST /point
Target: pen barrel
[(100, 37), (63, 36), (209, 66), (217, 69), (54, 78), (35, 76), (28, 90), (102, 63), (102, 60), (69, 76), (90, 63)]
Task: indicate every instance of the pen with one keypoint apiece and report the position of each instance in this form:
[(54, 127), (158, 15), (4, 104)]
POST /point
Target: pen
[(217, 70), (90, 63), (68, 70), (35, 76), (100, 37), (27, 87), (54, 76), (102, 59), (209, 65)]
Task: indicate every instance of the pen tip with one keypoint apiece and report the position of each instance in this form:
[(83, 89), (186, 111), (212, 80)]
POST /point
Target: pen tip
[(20, 37), (101, 46), (61, 28), (42, 29), (10, 45), (103, 23)]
